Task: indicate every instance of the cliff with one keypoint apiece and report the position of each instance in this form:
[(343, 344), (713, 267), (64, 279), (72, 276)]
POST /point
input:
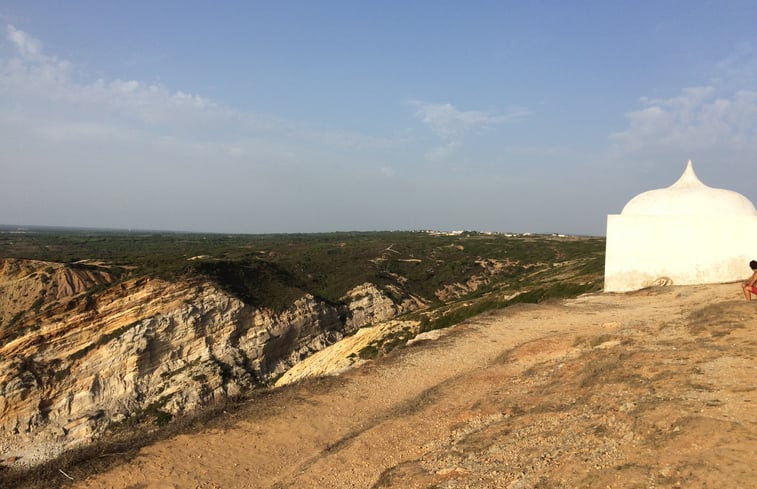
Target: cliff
[(79, 353)]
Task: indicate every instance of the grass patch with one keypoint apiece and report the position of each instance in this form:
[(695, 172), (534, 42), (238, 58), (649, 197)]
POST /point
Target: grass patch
[(540, 294), (386, 344)]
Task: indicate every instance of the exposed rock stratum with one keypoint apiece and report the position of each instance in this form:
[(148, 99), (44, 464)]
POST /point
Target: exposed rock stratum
[(73, 362)]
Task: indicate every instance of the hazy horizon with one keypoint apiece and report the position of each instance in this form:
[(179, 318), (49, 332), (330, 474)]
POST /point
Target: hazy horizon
[(300, 117), (45, 227)]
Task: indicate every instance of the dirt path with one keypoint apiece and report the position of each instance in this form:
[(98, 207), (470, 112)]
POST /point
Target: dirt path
[(651, 389)]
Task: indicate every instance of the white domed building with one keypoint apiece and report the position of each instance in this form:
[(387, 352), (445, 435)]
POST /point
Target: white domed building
[(684, 234)]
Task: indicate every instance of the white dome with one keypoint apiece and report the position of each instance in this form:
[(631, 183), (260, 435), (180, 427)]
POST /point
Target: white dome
[(688, 196)]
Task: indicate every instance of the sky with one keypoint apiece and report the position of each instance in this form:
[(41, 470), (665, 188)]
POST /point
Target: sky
[(302, 116)]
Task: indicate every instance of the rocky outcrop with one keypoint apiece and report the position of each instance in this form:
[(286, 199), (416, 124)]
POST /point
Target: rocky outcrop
[(349, 352), (367, 304), (148, 347), (489, 268)]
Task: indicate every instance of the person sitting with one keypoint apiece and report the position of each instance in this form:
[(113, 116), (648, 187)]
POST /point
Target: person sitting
[(750, 286)]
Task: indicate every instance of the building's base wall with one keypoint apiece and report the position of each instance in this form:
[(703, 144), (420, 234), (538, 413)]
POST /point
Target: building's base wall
[(648, 250)]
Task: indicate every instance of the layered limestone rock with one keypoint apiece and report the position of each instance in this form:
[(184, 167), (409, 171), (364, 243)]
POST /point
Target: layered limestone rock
[(347, 353), (367, 304), (150, 347)]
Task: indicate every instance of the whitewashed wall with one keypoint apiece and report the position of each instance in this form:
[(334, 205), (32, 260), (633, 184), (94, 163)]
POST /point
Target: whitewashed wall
[(686, 249)]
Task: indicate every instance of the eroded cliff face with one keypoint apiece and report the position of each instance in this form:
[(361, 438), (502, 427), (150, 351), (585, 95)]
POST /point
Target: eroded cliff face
[(145, 347), (489, 268), (27, 285)]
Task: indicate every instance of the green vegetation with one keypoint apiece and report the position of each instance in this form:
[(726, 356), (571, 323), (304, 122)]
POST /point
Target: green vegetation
[(274, 270), (154, 412), (451, 316), (16, 317), (37, 305), (386, 344), (458, 276)]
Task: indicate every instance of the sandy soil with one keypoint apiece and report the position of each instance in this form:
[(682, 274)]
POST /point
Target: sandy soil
[(650, 389)]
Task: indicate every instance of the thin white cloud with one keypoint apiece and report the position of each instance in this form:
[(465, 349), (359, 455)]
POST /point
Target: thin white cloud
[(717, 119), (451, 124), (737, 69), (46, 82), (68, 106), (697, 119), (26, 45), (387, 171)]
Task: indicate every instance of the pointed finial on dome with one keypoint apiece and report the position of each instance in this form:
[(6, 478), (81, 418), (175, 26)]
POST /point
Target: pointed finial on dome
[(688, 179)]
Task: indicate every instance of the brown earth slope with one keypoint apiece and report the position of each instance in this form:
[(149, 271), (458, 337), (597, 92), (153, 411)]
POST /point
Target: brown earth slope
[(27, 285), (650, 389)]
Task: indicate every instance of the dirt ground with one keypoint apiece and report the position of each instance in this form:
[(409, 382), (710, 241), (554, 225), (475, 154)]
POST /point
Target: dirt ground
[(643, 390)]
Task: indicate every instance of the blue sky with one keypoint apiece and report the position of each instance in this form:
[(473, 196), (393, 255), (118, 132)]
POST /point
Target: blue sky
[(322, 116)]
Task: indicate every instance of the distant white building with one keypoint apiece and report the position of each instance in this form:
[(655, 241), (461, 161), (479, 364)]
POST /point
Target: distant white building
[(687, 233)]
